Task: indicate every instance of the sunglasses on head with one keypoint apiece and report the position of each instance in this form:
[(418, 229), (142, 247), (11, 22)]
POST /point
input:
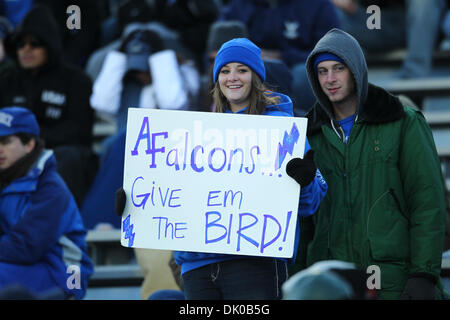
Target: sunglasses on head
[(34, 43)]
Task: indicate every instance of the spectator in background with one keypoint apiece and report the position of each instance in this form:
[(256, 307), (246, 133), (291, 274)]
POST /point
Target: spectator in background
[(189, 19), (171, 40), (41, 231), (286, 30), (5, 62), (410, 24), (142, 73), (57, 93), (78, 43), (385, 204)]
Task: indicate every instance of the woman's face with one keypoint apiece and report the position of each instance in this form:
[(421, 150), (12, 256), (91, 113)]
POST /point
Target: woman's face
[(235, 82)]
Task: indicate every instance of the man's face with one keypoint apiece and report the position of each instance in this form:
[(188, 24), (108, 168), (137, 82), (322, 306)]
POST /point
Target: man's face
[(31, 52), (12, 149), (336, 81)]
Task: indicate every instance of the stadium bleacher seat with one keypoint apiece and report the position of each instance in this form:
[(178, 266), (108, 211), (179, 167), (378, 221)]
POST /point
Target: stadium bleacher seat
[(116, 272)]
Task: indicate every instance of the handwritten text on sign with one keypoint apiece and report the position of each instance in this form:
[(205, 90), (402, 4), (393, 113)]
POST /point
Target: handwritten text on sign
[(210, 182)]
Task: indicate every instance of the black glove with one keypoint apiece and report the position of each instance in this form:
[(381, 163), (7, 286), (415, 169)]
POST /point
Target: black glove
[(119, 202), (419, 289), (302, 170)]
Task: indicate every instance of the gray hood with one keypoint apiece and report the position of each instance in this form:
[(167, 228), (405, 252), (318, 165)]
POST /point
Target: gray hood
[(347, 48)]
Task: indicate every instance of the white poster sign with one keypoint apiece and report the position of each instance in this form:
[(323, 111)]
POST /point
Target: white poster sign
[(211, 182)]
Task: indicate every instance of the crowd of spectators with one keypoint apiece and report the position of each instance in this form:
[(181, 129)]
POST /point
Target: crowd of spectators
[(159, 54)]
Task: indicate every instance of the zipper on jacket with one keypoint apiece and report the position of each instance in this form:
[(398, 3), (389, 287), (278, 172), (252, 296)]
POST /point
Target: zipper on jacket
[(345, 183), (342, 134)]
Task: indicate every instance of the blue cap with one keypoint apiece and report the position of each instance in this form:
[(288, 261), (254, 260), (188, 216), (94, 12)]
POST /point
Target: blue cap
[(326, 56), (243, 51), (15, 120)]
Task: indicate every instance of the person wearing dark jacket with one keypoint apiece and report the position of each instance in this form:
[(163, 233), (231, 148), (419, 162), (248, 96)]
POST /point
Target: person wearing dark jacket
[(385, 202), (56, 92)]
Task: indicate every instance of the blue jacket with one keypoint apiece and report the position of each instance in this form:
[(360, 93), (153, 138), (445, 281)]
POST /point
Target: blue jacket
[(294, 26), (40, 223), (310, 198)]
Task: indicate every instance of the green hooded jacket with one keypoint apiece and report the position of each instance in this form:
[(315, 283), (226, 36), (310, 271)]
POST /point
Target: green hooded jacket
[(385, 203)]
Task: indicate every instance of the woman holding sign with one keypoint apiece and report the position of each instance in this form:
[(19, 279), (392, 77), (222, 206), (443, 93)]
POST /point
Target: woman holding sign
[(239, 75)]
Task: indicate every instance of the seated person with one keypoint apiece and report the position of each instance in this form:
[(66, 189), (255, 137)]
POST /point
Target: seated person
[(42, 237), (56, 92), (143, 73)]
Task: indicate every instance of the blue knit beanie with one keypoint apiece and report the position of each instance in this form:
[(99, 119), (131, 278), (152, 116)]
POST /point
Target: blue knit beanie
[(243, 51), (326, 56)]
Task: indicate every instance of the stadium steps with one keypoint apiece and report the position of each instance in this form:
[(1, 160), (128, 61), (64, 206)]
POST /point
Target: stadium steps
[(117, 276)]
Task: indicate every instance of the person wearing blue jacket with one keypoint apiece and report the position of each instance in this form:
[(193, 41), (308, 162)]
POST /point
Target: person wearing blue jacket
[(239, 74), (42, 237)]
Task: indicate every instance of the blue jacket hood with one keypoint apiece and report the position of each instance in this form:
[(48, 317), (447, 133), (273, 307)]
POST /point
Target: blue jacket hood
[(284, 108)]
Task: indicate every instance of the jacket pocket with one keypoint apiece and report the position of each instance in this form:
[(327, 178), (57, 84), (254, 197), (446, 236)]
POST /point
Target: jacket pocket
[(388, 229)]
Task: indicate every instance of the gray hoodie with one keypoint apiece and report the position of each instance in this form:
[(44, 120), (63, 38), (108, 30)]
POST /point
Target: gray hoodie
[(347, 48)]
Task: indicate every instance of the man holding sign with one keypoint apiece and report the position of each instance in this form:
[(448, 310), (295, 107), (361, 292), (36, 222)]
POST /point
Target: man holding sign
[(239, 253)]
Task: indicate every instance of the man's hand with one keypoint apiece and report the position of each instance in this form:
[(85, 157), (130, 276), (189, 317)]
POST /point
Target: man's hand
[(302, 170), (419, 289)]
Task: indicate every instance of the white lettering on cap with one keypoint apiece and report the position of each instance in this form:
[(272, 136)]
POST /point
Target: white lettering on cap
[(6, 119)]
